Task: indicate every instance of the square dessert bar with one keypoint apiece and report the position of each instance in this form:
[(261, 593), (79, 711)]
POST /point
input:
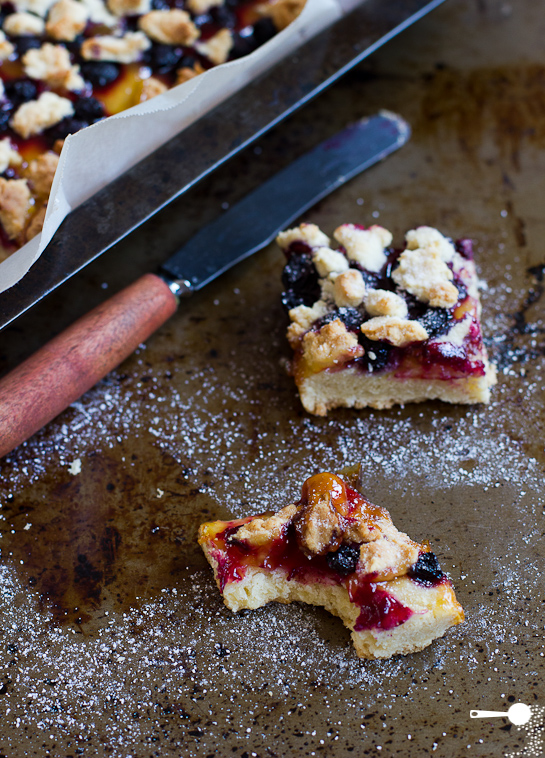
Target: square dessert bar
[(335, 549), (372, 326)]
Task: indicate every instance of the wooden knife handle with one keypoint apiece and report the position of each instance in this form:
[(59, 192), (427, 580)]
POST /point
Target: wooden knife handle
[(61, 371)]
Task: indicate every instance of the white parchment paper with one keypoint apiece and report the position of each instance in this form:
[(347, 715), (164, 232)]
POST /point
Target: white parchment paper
[(98, 154)]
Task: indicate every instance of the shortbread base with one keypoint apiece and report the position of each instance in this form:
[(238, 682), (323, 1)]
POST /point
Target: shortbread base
[(350, 388), (435, 609)]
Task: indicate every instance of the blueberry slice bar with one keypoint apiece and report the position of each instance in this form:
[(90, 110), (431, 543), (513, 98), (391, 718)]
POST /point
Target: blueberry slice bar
[(374, 326), (333, 548)]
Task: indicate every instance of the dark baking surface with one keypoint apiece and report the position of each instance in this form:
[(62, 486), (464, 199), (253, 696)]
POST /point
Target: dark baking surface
[(113, 638)]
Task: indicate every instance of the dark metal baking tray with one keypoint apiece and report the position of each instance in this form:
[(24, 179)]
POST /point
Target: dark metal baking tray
[(114, 641), (124, 204)]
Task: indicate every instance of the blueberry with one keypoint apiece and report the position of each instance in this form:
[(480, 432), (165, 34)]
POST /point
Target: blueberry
[(100, 73), (21, 91), (187, 61), (465, 248), (88, 109), (300, 279), (350, 317), (242, 46), (74, 45), (436, 321), (163, 58), (65, 127), (5, 116), (345, 560), (25, 43), (264, 30), (290, 299), (159, 5), (377, 354), (462, 289), (223, 16), (427, 570)]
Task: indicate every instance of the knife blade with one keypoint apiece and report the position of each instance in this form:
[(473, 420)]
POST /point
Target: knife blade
[(230, 238), (70, 364)]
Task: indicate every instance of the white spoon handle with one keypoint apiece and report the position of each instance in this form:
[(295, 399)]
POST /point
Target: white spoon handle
[(486, 714)]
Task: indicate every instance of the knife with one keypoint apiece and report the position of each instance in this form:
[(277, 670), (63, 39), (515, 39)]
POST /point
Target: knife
[(70, 364)]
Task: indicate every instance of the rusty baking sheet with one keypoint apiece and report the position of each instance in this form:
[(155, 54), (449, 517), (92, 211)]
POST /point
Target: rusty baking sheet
[(114, 641), (169, 172)]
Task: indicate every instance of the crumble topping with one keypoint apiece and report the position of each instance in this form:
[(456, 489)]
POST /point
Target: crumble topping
[(151, 88), (331, 346), (424, 274), (21, 23), (170, 27), (99, 14), (349, 288), (310, 234), (302, 318), (14, 205), (6, 47), (36, 115), (202, 6), (36, 223), (329, 261), (129, 7), (185, 73), (431, 239), (39, 7), (365, 246), (8, 155), (396, 331), (51, 64), (259, 531), (218, 47), (282, 12), (41, 172), (385, 303), (388, 557), (67, 19), (126, 49)]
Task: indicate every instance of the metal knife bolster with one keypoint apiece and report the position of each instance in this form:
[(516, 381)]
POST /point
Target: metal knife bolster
[(256, 219)]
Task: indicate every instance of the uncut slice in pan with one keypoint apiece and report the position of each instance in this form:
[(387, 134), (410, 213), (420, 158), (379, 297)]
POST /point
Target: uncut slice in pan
[(374, 326), (335, 549)]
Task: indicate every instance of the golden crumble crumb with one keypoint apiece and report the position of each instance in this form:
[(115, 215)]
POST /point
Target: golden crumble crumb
[(424, 274), (332, 346), (385, 303), (14, 205), (129, 7), (51, 64), (67, 19), (126, 49), (36, 223), (170, 27), (185, 74), (395, 331), (349, 289), (282, 12), (17, 24), (41, 172), (36, 115), (151, 88), (310, 234), (217, 47)]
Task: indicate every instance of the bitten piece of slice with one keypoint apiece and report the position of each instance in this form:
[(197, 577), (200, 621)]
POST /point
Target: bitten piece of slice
[(336, 549), (411, 317)]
